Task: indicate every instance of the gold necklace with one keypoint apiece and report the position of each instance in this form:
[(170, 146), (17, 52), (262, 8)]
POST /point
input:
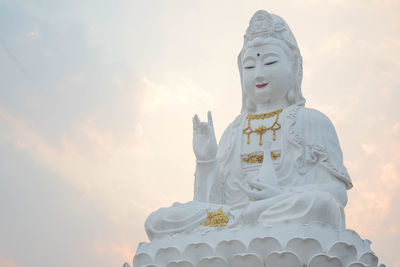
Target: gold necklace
[(262, 129)]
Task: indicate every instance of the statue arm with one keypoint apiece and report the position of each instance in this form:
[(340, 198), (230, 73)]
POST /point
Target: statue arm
[(205, 178), (333, 186), (323, 157), (321, 145), (205, 148)]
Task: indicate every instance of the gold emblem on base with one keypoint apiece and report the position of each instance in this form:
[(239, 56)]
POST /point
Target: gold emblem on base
[(216, 219)]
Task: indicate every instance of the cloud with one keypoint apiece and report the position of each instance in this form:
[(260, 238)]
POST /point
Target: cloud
[(102, 136), (72, 79), (369, 149), (6, 262), (182, 92), (335, 44), (374, 198), (67, 198), (64, 139)]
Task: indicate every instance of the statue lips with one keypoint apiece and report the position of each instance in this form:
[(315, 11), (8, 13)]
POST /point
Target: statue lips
[(261, 85)]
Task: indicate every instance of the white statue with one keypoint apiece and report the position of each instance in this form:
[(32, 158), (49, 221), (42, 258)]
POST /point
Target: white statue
[(278, 164), (277, 161)]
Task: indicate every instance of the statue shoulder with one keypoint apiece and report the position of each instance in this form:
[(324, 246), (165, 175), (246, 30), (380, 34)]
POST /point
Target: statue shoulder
[(321, 141), (313, 117), (227, 139), (313, 122), (316, 126), (231, 127)]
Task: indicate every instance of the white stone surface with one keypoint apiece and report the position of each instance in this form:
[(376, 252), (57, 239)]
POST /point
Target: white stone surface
[(292, 243), (285, 211), (307, 183)]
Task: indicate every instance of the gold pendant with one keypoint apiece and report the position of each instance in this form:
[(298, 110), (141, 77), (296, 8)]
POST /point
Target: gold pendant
[(262, 129)]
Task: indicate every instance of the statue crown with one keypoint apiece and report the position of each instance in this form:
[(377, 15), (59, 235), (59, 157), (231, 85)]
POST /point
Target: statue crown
[(263, 24)]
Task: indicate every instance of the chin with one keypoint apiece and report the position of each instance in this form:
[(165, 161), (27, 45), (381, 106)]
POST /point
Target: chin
[(264, 94)]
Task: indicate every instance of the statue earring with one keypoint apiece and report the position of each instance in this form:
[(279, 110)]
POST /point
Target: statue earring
[(290, 96)]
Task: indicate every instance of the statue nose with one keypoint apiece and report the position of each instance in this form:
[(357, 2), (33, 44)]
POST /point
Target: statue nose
[(259, 75)]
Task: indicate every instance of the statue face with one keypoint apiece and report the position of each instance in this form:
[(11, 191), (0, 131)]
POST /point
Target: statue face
[(267, 74)]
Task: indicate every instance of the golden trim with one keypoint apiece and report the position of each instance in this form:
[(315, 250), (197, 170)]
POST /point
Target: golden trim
[(259, 158), (264, 115), (262, 129), (275, 156), (254, 158)]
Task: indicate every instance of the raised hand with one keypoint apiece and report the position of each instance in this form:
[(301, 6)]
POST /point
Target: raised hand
[(256, 191), (204, 141)]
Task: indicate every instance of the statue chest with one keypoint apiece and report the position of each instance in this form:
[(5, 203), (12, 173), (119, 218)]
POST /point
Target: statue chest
[(255, 134)]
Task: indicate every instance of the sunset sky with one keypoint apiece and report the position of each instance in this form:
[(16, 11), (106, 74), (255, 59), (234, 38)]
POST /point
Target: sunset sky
[(97, 98)]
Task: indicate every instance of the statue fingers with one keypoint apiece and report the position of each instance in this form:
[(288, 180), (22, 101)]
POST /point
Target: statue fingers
[(252, 194), (203, 127), (257, 184), (256, 195), (243, 188), (196, 122), (209, 119)]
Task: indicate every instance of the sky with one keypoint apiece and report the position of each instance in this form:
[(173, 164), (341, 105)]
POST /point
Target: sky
[(97, 98)]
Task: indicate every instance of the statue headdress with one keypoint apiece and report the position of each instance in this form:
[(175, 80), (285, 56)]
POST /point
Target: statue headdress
[(266, 25)]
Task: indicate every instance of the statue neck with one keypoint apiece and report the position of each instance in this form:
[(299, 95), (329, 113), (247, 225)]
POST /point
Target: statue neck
[(269, 107)]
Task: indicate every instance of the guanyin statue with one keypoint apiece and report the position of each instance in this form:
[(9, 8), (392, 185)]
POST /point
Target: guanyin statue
[(273, 192)]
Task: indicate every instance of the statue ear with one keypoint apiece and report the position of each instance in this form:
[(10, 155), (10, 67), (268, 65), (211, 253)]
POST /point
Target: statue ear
[(290, 96)]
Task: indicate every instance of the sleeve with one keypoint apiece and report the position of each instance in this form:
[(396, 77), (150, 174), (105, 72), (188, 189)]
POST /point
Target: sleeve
[(322, 146)]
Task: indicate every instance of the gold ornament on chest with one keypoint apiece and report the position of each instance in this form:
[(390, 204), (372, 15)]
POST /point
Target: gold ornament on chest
[(262, 129), (259, 158)]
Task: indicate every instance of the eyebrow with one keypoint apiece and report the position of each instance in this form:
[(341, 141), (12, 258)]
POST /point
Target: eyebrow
[(269, 54), (262, 57), (248, 58)]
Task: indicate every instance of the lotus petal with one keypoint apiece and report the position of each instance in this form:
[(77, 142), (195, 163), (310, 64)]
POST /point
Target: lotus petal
[(351, 237), (356, 264), (325, 261), (369, 259), (284, 259), (194, 252), (305, 249), (213, 262), (264, 246), (246, 260), (321, 231), (346, 253), (227, 249), (166, 255), (141, 260), (180, 264)]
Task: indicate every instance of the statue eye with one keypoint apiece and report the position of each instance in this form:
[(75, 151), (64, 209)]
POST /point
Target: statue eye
[(249, 67), (270, 63)]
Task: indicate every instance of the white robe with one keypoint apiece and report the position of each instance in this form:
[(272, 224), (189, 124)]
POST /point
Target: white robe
[(311, 177)]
